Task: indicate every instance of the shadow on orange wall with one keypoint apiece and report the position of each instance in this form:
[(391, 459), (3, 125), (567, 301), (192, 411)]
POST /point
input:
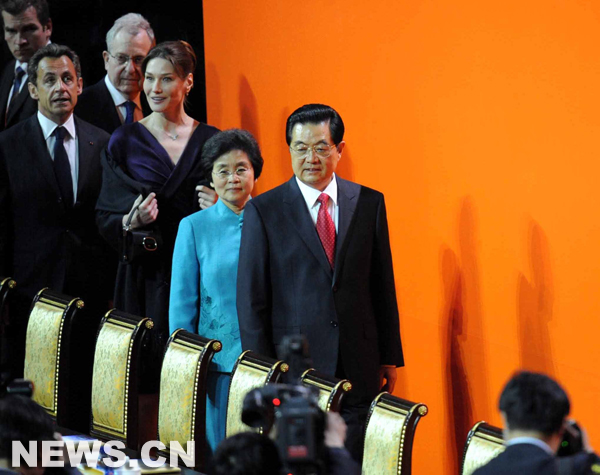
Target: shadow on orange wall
[(214, 111), (458, 400), (535, 301)]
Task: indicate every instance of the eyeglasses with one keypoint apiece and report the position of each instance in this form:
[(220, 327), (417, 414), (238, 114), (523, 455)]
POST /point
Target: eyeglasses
[(124, 59), (320, 150), (226, 174)]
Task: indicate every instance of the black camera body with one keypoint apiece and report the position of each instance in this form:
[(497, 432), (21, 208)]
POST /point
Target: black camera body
[(294, 411)]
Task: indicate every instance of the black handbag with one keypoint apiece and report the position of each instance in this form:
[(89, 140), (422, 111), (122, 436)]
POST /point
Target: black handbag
[(139, 243)]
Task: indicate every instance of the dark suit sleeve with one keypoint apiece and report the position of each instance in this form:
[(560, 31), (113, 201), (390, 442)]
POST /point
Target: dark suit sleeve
[(384, 291), (254, 285)]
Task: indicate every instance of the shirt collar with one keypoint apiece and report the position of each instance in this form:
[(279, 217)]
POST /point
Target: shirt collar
[(312, 194), (533, 441), (118, 98), (23, 66), (48, 126)]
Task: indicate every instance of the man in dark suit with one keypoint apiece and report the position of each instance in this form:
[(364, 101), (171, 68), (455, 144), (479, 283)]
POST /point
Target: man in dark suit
[(50, 178), (315, 259), (116, 98), (534, 409), (27, 28)]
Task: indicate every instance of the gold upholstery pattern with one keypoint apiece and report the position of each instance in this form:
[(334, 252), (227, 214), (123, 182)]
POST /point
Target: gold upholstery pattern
[(484, 442), (251, 371), (177, 394), (110, 378), (390, 431), (42, 353)]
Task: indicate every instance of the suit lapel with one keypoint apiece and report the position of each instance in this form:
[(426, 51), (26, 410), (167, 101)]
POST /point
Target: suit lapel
[(110, 110), (19, 101), (85, 144), (348, 194), (38, 151), (300, 219)]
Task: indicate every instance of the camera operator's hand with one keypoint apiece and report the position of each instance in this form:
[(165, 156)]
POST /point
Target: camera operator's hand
[(335, 431), (389, 374)]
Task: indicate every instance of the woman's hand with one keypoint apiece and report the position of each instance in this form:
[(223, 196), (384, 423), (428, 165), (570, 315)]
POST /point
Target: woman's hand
[(145, 214), (206, 196)]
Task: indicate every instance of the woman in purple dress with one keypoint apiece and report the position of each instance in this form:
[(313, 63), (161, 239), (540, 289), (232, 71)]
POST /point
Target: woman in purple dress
[(151, 169)]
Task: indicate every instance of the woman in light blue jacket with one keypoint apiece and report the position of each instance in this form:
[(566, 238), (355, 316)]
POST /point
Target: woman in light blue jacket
[(205, 263)]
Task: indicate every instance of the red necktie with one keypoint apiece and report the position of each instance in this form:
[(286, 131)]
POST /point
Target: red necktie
[(326, 229)]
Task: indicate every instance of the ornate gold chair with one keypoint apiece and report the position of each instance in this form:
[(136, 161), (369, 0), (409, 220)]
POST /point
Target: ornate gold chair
[(6, 285), (182, 403), (331, 390), (389, 435), (251, 371), (56, 360), (484, 442), (116, 377)]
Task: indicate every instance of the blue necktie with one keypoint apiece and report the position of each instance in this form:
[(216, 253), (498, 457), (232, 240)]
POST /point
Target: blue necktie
[(62, 168), (130, 106), (19, 73)]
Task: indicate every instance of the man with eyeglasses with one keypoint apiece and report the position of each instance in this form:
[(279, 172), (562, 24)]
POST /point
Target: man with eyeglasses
[(315, 259), (116, 99), (27, 28)]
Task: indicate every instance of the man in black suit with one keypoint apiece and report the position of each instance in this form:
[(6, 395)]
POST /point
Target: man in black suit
[(50, 178), (534, 408), (27, 28), (116, 98), (315, 259)]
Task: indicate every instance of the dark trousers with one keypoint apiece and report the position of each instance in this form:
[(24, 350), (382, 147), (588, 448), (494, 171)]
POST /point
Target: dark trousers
[(354, 411)]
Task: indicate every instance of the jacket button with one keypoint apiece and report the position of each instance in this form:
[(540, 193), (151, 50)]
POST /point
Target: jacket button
[(59, 200), (334, 324)]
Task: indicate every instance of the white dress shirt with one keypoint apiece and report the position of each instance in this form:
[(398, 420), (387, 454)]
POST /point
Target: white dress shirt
[(120, 100), (70, 143), (311, 196)]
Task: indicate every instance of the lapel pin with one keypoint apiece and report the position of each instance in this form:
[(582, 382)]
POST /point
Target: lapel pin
[(91, 143)]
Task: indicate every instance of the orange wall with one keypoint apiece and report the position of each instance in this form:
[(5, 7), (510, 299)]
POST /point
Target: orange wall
[(480, 122)]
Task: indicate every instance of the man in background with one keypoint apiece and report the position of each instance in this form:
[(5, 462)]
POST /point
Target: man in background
[(116, 98), (50, 178), (27, 28), (534, 409)]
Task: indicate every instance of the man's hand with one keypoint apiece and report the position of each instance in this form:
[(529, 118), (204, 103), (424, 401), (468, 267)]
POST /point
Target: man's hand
[(335, 431), (206, 196), (389, 374)]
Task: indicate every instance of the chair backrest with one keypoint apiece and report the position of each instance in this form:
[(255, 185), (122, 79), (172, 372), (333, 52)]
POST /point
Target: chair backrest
[(6, 285), (182, 402), (389, 435), (116, 377), (51, 356), (250, 371), (484, 442), (330, 390)]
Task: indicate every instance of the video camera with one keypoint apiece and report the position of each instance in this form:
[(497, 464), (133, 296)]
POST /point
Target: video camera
[(294, 412), (20, 387)]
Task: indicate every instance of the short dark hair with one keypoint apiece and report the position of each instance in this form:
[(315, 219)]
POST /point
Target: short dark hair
[(22, 419), (534, 401), (314, 114), (247, 453), (51, 50), (226, 141), (179, 53), (16, 7)]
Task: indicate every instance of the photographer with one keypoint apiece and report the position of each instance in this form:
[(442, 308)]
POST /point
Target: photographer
[(250, 453), (534, 408)]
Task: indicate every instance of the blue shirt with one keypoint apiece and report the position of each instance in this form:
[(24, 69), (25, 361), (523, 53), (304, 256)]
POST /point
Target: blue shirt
[(204, 276)]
